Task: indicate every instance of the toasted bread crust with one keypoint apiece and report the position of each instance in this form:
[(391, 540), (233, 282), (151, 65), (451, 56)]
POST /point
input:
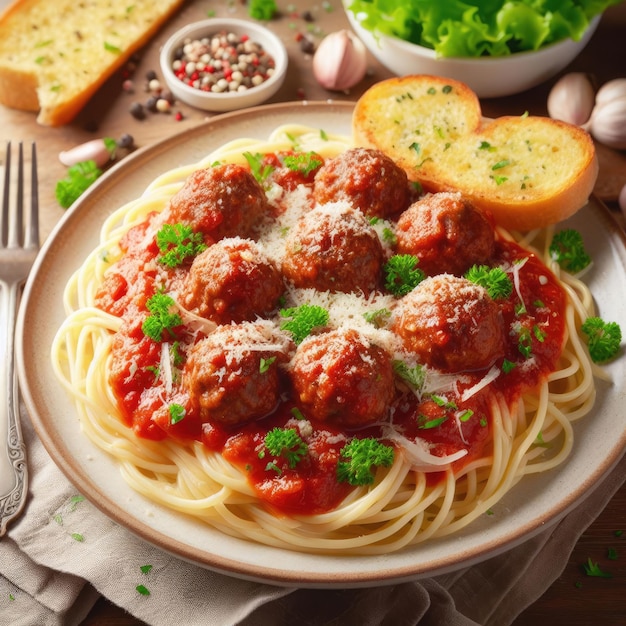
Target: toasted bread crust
[(54, 56), (528, 171)]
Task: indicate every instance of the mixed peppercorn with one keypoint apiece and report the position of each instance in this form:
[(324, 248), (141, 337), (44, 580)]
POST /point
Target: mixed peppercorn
[(223, 62)]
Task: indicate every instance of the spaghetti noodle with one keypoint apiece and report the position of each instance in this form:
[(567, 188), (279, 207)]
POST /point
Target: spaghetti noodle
[(490, 428)]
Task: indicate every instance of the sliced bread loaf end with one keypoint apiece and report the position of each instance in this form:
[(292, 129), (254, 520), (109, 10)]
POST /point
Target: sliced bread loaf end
[(55, 55), (528, 171)]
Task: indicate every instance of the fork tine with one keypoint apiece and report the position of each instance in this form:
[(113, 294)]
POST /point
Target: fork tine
[(33, 233), (16, 227), (4, 222)]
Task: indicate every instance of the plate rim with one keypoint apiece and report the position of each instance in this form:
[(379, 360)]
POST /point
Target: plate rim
[(384, 572)]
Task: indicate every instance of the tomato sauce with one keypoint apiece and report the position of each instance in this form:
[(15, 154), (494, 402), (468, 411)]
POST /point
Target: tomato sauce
[(310, 488), (533, 316)]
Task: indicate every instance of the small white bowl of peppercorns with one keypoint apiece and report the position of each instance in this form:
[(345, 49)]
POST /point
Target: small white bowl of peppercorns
[(223, 64)]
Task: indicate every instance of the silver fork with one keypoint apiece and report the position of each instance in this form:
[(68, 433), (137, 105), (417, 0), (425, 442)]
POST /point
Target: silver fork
[(19, 243)]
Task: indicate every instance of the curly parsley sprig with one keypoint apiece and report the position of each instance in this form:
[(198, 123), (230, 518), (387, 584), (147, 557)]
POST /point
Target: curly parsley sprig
[(163, 317), (177, 243), (303, 319), (360, 458), (494, 279), (568, 250), (402, 274), (285, 443), (603, 338), (78, 179)]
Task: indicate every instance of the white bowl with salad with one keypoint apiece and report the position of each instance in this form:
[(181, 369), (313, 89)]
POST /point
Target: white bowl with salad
[(507, 50)]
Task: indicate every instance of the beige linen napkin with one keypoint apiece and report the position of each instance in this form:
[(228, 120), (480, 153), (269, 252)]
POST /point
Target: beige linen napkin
[(63, 553)]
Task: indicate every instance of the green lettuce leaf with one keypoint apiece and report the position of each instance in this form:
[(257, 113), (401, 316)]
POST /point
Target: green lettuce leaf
[(480, 28)]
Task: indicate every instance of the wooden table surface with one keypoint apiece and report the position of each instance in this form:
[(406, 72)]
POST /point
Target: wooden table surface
[(574, 599)]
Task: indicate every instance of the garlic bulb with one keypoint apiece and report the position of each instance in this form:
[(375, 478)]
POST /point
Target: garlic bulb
[(571, 99), (615, 88), (608, 123), (340, 61)]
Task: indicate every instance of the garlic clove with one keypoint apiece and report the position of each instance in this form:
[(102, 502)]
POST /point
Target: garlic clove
[(340, 61), (608, 123), (621, 200), (611, 90), (571, 99), (99, 150)]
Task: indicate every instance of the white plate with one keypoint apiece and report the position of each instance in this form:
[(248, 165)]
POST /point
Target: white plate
[(533, 504)]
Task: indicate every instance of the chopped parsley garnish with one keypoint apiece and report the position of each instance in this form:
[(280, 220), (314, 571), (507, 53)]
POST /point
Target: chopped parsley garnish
[(360, 458), (161, 318), (499, 180), (402, 274), (524, 342), (413, 376), (303, 319), (540, 335), (466, 415), (508, 366), (297, 413), (443, 402), (143, 590), (79, 177), (272, 467), (264, 364), (593, 569), (177, 413), (304, 163), (261, 171), (145, 569), (285, 443), (568, 250), (77, 537), (177, 243), (175, 354), (426, 423), (603, 338), (485, 145), (494, 279), (109, 47), (377, 318), (389, 236), (75, 501)]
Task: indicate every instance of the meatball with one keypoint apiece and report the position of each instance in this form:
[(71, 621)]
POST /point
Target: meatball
[(334, 248), (232, 281), (451, 324), (220, 201), (446, 233), (367, 179), (341, 377), (233, 374)]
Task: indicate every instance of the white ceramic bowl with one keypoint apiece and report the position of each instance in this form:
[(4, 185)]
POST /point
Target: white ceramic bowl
[(228, 100), (488, 77)]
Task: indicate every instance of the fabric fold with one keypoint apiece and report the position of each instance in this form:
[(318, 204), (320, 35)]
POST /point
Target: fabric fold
[(63, 553)]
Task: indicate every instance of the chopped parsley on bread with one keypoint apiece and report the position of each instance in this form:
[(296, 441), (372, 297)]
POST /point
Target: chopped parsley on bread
[(528, 171), (54, 55)]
